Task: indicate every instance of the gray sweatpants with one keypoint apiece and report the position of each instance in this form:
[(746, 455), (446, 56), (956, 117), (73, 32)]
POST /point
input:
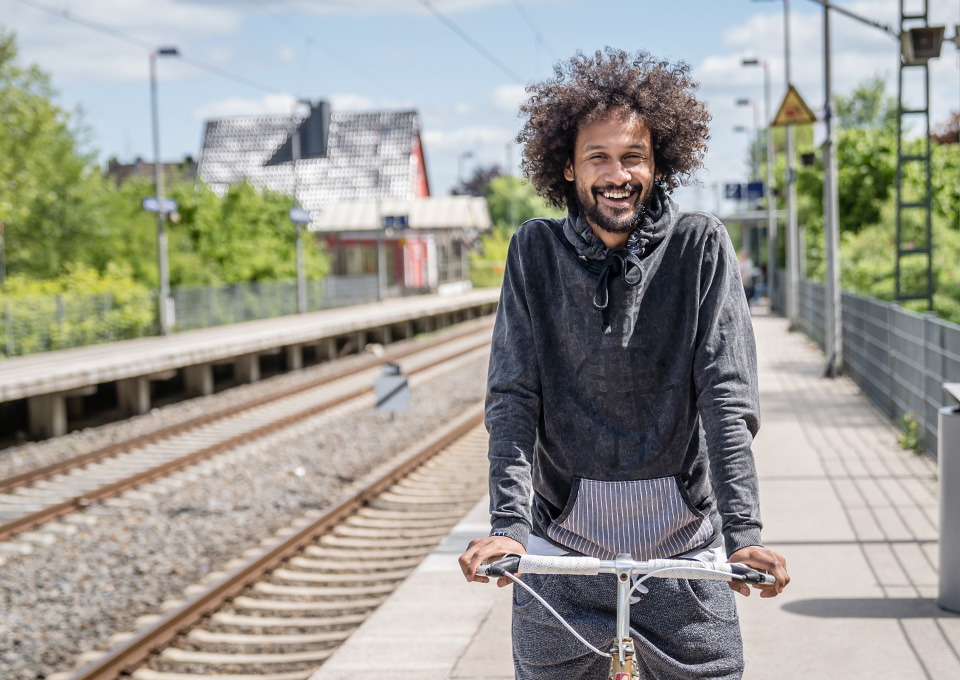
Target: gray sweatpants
[(683, 629)]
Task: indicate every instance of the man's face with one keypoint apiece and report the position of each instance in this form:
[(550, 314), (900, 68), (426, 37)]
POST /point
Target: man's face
[(613, 170)]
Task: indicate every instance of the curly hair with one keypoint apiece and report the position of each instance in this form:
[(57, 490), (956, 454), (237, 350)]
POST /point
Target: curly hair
[(586, 89)]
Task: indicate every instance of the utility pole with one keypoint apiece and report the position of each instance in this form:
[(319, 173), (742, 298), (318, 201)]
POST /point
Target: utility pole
[(295, 155), (833, 307), (793, 229), (163, 271), (771, 202), (833, 326)]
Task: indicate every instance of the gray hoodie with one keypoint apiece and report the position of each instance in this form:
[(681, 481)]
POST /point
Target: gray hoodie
[(622, 390)]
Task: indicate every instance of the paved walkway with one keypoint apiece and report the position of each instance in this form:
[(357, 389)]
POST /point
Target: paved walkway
[(855, 516)]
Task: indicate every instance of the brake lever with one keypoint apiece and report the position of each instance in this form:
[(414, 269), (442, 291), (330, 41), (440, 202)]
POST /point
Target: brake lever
[(506, 564)]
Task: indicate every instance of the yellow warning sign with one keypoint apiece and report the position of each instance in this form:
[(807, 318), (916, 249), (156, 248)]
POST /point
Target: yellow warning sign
[(793, 110)]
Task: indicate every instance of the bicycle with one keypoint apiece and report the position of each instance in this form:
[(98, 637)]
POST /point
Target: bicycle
[(622, 666)]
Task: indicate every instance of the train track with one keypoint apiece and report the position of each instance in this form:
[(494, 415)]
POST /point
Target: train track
[(40, 496), (278, 614)]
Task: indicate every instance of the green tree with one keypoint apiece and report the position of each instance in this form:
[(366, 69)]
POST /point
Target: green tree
[(511, 202), (59, 211), (50, 186), (945, 171), (245, 236), (866, 159), (866, 168)]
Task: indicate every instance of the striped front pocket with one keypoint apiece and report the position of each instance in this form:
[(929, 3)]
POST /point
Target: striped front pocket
[(648, 518)]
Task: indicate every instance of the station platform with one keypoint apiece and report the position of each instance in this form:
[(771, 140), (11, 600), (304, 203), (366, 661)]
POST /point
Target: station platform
[(47, 379), (854, 515)]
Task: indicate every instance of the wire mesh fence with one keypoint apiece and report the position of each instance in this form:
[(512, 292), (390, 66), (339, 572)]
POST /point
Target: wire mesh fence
[(899, 358), (205, 306), (43, 323)]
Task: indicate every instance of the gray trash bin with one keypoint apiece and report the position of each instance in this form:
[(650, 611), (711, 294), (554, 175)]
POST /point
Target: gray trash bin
[(948, 456)]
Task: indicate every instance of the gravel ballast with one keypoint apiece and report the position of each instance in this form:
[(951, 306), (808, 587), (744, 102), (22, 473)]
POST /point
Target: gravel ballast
[(71, 596)]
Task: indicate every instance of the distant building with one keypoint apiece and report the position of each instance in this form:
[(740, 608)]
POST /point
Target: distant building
[(184, 171), (424, 242), (363, 179), (343, 156)]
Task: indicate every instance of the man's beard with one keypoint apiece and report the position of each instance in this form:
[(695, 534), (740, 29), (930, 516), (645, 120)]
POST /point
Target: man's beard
[(626, 222)]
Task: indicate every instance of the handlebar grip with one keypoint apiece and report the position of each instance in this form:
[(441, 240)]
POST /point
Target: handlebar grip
[(547, 564)]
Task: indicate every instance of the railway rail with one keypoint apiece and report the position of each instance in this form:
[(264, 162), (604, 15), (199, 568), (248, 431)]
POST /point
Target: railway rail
[(278, 614), (40, 496)]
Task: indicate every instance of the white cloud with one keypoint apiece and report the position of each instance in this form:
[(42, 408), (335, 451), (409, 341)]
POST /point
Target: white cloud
[(283, 102), (446, 150), (287, 53), (472, 138), (369, 6), (346, 101), (351, 102), (238, 106), (75, 52), (508, 97), (859, 52)]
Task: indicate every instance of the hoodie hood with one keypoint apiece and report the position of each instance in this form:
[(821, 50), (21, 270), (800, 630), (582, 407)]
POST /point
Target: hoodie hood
[(658, 220)]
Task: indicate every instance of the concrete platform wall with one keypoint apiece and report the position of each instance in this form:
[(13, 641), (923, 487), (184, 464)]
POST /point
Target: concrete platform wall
[(47, 381)]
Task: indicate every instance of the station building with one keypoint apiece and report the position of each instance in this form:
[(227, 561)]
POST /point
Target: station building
[(362, 178)]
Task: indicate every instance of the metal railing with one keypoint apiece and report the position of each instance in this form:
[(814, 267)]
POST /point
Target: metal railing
[(53, 322), (899, 358), (204, 306)]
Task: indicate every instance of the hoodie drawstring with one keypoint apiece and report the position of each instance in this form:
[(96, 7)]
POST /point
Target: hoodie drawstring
[(618, 261)]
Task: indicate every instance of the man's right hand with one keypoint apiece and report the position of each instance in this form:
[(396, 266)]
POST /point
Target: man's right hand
[(487, 548)]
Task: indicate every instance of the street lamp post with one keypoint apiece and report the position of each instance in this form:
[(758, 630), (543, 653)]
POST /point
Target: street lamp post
[(753, 160), (295, 153), (754, 135), (771, 203), (162, 266), (833, 325), (745, 228), (793, 228), (463, 156)]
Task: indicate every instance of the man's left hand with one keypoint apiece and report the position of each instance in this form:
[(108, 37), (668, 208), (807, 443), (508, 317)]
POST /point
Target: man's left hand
[(761, 559)]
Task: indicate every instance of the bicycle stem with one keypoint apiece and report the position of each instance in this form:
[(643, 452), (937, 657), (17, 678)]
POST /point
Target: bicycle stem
[(624, 566)]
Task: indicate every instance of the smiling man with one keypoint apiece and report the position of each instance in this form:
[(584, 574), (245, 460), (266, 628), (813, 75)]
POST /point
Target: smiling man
[(622, 392)]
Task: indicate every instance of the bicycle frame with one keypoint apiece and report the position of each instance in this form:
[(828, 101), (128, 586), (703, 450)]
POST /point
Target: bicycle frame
[(622, 666)]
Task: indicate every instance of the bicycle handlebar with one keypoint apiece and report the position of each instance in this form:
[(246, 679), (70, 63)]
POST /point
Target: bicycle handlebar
[(591, 566)]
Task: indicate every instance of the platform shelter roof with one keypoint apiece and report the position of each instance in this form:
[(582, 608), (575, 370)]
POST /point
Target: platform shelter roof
[(433, 213)]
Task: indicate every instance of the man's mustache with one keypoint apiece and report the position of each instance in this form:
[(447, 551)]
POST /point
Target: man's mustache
[(629, 188)]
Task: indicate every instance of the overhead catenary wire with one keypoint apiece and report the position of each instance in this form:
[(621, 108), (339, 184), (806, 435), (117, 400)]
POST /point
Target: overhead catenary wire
[(310, 43), (487, 54), (139, 42), (533, 27)]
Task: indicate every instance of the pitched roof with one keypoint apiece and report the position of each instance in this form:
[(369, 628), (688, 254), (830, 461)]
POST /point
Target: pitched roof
[(438, 212), (369, 156)]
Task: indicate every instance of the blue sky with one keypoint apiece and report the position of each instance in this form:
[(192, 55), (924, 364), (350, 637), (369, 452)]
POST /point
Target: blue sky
[(372, 54)]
